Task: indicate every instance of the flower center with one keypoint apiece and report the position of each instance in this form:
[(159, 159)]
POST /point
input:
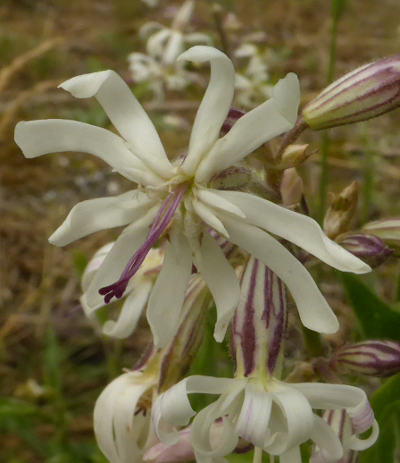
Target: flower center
[(161, 221)]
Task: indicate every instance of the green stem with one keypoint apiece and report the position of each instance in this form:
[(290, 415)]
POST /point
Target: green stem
[(368, 184), (336, 12)]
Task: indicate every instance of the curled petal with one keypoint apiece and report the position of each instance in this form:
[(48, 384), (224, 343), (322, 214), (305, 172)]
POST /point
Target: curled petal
[(275, 116), (48, 136), (97, 214), (327, 440), (208, 216), (314, 311), (172, 408), (215, 104), (116, 427), (253, 421), (125, 112), (297, 228)]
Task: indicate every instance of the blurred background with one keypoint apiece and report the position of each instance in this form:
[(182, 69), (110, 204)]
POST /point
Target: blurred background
[(53, 362)]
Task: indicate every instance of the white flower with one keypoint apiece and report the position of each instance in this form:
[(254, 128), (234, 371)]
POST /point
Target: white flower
[(166, 44), (136, 295), (176, 195), (274, 416), (122, 417)]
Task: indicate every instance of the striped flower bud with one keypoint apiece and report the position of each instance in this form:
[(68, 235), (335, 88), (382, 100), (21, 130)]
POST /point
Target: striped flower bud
[(259, 322), (369, 248), (387, 230), (366, 92), (372, 358), (341, 211)]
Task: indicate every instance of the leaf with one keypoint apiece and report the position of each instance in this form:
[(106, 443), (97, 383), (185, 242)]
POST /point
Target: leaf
[(386, 405), (13, 407), (377, 319)]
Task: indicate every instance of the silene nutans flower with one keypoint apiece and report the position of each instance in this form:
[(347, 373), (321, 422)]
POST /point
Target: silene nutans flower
[(175, 199), (366, 92)]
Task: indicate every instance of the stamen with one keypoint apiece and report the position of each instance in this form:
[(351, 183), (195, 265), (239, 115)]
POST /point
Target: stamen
[(161, 221)]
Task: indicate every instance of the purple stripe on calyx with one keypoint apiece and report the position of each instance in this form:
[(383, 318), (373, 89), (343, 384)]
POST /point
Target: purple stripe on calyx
[(161, 221), (259, 322)]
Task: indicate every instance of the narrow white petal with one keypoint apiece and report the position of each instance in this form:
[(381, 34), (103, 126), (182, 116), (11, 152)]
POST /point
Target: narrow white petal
[(213, 199), (221, 280), (314, 311), (125, 112), (165, 303), (331, 396), (94, 264), (215, 104), (297, 228), (114, 263), (172, 408), (253, 421), (174, 47), (277, 115), (326, 439), (208, 216), (97, 214), (156, 43), (291, 456), (58, 135), (131, 311), (198, 38)]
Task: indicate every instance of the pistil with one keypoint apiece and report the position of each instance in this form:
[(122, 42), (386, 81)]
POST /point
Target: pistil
[(161, 222)]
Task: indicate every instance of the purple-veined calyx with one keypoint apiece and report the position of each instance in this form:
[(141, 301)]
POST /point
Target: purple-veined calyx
[(366, 92), (373, 358), (259, 322), (368, 247)]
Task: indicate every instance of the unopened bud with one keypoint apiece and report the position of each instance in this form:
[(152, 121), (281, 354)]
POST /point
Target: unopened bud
[(292, 156), (372, 358), (341, 211), (366, 92), (291, 187), (387, 230), (369, 248)]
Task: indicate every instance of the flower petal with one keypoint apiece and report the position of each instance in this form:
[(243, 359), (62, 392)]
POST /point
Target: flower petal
[(296, 413), (253, 421), (165, 303), (291, 456), (131, 311), (172, 408), (221, 280), (326, 439), (355, 443), (314, 311), (114, 417), (97, 214), (156, 43), (213, 199), (297, 228), (215, 104), (207, 215), (277, 115), (126, 113), (202, 438), (47, 136), (114, 263)]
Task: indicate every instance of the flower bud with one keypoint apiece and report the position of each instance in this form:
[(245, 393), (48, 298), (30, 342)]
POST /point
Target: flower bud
[(387, 230), (291, 187), (293, 156), (372, 358), (369, 248), (341, 211), (366, 92)]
